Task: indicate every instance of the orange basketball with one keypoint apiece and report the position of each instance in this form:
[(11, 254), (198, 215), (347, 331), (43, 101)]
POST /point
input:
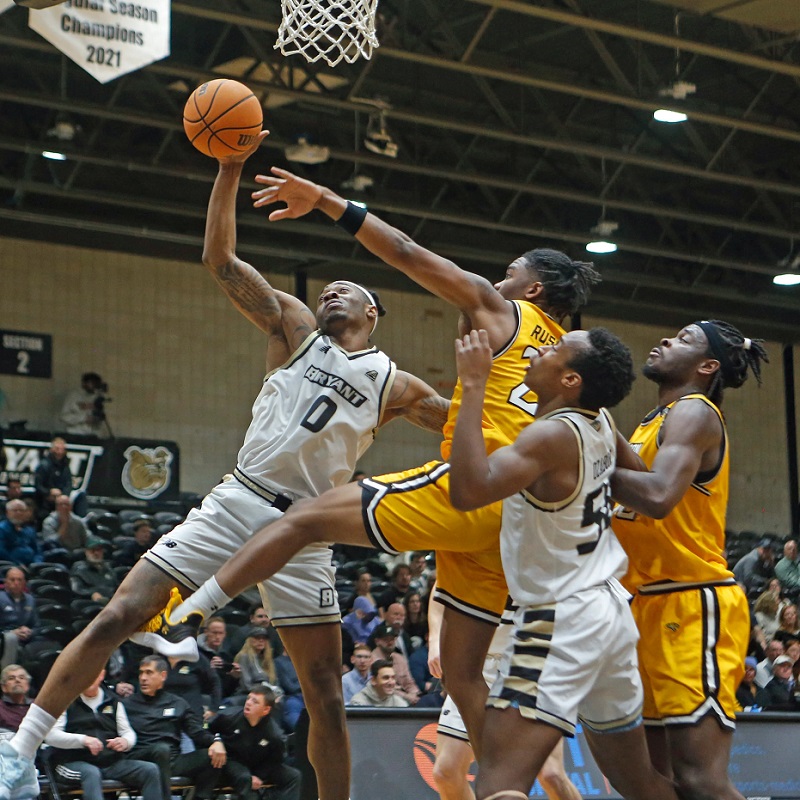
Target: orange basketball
[(222, 117)]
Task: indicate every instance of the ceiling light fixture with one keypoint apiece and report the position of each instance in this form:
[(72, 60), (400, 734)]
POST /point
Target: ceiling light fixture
[(677, 90), (303, 152), (378, 139), (668, 115), (787, 279), (603, 230), (53, 155), (358, 182)]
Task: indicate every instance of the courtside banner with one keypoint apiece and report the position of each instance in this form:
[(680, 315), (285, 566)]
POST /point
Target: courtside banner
[(393, 754), (108, 38), (122, 471)]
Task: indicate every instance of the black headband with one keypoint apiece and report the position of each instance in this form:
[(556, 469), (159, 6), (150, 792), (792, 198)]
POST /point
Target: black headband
[(718, 350)]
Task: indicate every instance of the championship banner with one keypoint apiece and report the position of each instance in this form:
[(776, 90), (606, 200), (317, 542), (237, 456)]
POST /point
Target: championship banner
[(108, 38), (118, 472)]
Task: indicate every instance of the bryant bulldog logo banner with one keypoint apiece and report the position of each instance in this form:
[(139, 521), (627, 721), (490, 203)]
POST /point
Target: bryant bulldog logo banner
[(147, 472)]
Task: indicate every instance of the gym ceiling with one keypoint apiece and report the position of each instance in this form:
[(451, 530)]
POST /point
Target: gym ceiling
[(518, 124)]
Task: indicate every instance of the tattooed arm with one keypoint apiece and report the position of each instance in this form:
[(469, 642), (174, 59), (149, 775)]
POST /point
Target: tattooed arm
[(415, 401), (281, 316)]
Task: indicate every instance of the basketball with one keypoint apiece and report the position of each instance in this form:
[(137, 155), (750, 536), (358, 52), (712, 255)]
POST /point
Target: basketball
[(222, 118)]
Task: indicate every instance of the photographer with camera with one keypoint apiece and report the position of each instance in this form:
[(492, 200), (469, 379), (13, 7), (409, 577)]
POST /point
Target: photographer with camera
[(83, 411)]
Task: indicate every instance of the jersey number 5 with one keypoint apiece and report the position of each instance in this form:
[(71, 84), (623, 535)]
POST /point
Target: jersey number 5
[(596, 511), (517, 394)]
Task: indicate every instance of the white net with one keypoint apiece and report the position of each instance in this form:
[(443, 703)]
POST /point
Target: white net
[(328, 29)]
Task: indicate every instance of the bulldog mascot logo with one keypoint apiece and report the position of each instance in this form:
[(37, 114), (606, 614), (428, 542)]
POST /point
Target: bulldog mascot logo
[(147, 471)]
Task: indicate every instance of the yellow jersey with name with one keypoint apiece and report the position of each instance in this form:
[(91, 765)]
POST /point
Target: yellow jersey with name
[(687, 545), (508, 406)]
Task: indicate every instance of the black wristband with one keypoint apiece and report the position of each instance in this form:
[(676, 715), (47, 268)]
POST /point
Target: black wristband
[(352, 219)]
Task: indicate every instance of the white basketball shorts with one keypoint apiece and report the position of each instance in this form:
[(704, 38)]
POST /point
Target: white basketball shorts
[(301, 593), (574, 659)]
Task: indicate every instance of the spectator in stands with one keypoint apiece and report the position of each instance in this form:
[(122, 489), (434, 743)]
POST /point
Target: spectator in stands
[(159, 718), (358, 677), (419, 669), (778, 694), (196, 682), (19, 620), (416, 622), (13, 492), (256, 664), (418, 564), (91, 741), (256, 749), (396, 618), (362, 620), (259, 618), (382, 691), (131, 551), (755, 569), (766, 613), (80, 411), (363, 588), (747, 691), (93, 578), (385, 637), (18, 540), (293, 702), (787, 570), (764, 669), (15, 683), (212, 644), (401, 578), (53, 478), (788, 627), (62, 528)]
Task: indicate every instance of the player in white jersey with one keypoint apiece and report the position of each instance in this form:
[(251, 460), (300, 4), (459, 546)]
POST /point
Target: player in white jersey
[(454, 754), (573, 652), (326, 393)]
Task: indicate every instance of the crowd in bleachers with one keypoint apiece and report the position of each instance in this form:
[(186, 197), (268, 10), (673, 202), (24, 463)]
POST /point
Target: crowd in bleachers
[(59, 568), (58, 571), (768, 570)]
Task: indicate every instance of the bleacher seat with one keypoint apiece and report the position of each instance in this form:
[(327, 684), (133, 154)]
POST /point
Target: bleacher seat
[(45, 590), (51, 571), (108, 519), (55, 613)]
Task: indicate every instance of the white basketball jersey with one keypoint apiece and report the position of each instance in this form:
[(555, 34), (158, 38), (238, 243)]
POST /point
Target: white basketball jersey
[(315, 416), (552, 550)]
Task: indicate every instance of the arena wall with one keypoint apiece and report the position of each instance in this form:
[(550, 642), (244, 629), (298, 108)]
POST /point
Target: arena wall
[(183, 364)]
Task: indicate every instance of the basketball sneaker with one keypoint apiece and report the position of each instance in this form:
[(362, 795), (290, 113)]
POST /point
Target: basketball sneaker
[(171, 638), (18, 779)]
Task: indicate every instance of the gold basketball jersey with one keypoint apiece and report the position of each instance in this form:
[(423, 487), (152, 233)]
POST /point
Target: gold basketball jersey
[(508, 406), (687, 545)]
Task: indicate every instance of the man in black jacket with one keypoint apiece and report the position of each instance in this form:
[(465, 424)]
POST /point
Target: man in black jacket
[(91, 741), (53, 477), (779, 693), (255, 748), (159, 718)]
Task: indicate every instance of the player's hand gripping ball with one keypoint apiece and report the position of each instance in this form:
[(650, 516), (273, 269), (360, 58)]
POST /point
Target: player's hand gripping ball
[(222, 118)]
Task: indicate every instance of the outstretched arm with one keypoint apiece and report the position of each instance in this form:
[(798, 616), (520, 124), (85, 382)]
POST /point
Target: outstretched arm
[(440, 276), (691, 431), (274, 312), (412, 399)]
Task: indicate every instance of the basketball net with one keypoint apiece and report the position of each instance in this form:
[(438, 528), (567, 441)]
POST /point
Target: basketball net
[(328, 29)]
